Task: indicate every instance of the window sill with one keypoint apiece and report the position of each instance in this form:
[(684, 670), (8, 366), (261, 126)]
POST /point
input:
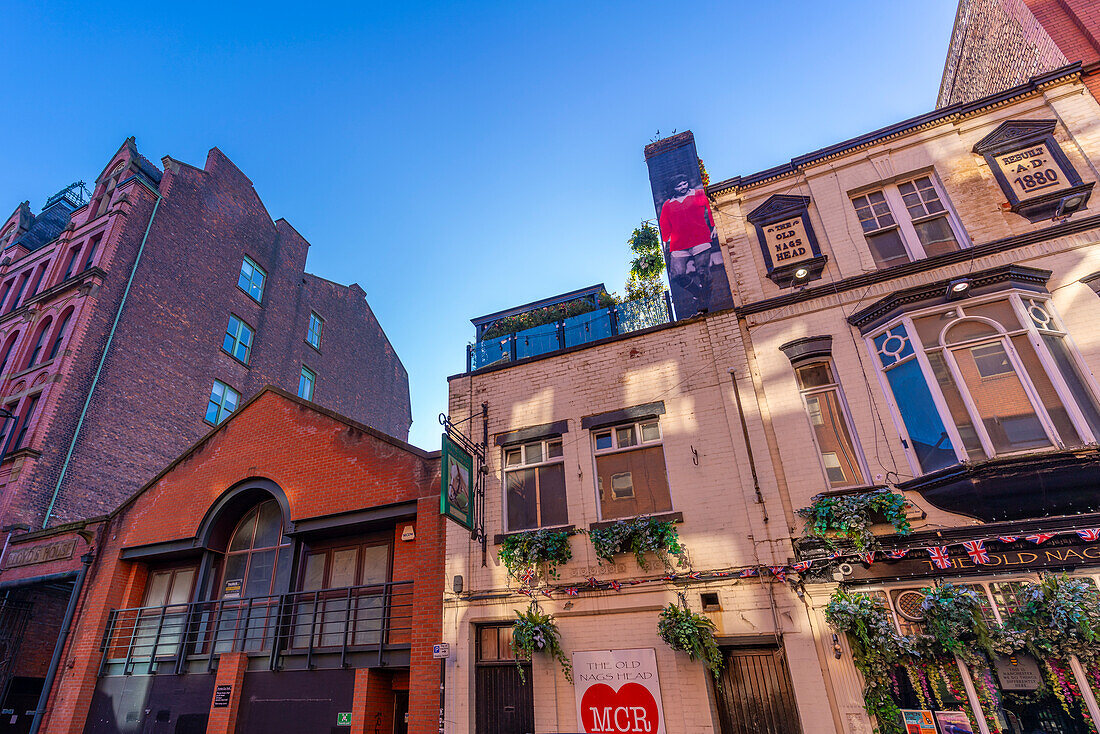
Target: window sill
[(252, 298), (23, 453), (242, 364), (311, 346), (29, 370), (660, 517), (498, 539)]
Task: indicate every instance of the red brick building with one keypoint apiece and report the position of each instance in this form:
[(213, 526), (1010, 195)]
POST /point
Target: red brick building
[(287, 567), (131, 322)]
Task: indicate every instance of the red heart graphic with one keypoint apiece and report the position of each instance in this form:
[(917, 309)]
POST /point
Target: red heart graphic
[(629, 709)]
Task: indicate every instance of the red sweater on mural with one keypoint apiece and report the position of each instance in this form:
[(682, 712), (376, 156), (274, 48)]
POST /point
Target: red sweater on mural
[(686, 223)]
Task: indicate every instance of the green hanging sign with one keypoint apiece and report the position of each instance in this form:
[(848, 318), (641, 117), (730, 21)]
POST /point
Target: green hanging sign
[(456, 488)]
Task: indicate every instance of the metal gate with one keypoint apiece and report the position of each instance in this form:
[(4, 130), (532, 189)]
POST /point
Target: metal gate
[(755, 695), (14, 614)]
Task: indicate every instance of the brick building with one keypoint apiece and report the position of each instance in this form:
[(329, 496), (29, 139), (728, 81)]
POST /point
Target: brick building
[(132, 321), (285, 568), (932, 334), (998, 44)]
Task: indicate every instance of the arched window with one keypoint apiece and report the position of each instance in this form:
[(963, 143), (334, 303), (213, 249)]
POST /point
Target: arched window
[(59, 335), (40, 342), (257, 561), (37, 280), (9, 347)]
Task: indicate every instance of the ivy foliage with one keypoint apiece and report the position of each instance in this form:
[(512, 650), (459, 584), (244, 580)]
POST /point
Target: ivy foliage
[(1060, 617), (692, 633), (639, 535), (954, 624), (539, 549), (533, 632), (850, 516)]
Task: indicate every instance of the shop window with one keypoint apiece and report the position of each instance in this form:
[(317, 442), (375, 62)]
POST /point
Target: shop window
[(223, 401), (630, 470), (908, 221), (251, 279), (534, 485), (986, 378), (831, 424), (237, 341), (313, 335), (347, 600)]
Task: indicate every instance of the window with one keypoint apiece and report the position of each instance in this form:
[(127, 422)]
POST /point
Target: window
[(630, 470), (907, 221), (251, 280), (92, 250), (306, 382), (74, 258), (19, 292), (223, 401), (58, 337), (355, 572), (9, 347), (37, 280), (163, 616), (5, 291), (494, 644), (19, 430), (40, 342), (831, 425), (314, 334), (534, 485), (104, 200), (238, 339), (986, 378)]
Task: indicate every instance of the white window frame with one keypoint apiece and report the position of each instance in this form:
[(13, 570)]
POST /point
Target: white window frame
[(1053, 373), (846, 413), (615, 448), (309, 330), (903, 223), (547, 460)]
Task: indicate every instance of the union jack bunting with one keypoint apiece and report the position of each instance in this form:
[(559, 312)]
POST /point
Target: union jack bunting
[(799, 567), (747, 572), (721, 573), (976, 550), (527, 576), (1090, 535), (695, 575), (780, 572), (616, 585), (548, 593), (898, 554), (1039, 538), (571, 591), (868, 557), (593, 582), (939, 556), (1008, 538), (835, 555), (526, 592)]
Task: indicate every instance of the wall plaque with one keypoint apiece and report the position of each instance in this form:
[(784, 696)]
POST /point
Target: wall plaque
[(1032, 170), (222, 694), (44, 553), (1018, 672), (787, 240)]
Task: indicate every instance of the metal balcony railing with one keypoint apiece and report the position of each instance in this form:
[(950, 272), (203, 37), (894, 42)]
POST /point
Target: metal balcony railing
[(621, 318), (324, 627)]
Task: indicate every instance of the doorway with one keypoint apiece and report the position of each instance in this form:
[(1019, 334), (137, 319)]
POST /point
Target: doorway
[(401, 712), (755, 695), (505, 702)]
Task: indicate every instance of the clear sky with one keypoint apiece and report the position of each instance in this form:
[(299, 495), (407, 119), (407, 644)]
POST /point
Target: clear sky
[(453, 159)]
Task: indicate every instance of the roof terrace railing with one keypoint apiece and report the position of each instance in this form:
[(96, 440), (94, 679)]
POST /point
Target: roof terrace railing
[(601, 323)]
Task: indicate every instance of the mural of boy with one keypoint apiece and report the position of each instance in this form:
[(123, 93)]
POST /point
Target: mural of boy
[(693, 257)]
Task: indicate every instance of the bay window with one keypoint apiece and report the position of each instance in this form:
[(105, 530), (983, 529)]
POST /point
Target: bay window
[(534, 485), (985, 378)]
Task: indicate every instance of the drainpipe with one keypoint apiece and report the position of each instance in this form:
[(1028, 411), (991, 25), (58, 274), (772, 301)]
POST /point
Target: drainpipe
[(99, 369), (66, 623)]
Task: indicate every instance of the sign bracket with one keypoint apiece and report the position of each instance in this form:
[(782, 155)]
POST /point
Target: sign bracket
[(481, 472)]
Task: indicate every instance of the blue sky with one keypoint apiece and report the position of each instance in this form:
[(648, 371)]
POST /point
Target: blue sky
[(454, 159)]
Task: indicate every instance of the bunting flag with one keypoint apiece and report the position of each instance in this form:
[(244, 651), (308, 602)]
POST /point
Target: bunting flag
[(723, 574), (1039, 538), (571, 591), (548, 593), (616, 585), (593, 582), (748, 572), (1090, 535), (1008, 538), (834, 555), (696, 575), (976, 550), (799, 567), (526, 592), (780, 572), (528, 576), (939, 556), (868, 557), (897, 554)]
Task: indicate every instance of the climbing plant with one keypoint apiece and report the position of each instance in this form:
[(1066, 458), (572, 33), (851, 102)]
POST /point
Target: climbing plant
[(692, 633), (524, 554), (640, 536), (850, 516)]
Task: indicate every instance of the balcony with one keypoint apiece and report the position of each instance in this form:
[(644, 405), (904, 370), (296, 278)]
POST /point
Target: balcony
[(593, 324), (356, 626)]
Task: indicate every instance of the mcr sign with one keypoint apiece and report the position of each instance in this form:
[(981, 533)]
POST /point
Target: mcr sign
[(618, 692)]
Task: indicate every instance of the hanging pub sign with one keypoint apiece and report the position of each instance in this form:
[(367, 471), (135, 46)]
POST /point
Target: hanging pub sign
[(689, 240), (618, 692), (786, 236), (456, 492), (1032, 170)]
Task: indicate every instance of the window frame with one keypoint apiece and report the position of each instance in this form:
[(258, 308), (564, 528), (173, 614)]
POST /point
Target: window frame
[(320, 330), (251, 280), (615, 448), (237, 341), (219, 417), (1015, 297), (910, 240), (846, 414), (312, 379), (547, 460)]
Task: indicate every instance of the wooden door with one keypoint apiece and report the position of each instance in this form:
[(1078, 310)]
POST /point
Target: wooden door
[(505, 702), (755, 695)]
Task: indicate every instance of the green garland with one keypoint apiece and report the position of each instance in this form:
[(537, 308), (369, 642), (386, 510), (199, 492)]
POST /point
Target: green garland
[(954, 624), (533, 631), (640, 535), (692, 633), (850, 516), (1059, 618), (539, 548)]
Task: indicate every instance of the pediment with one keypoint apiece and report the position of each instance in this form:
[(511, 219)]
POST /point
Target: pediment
[(777, 206), (1013, 133)]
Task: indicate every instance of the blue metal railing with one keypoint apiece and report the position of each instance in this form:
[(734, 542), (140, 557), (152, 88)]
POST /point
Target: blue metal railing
[(621, 318)]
